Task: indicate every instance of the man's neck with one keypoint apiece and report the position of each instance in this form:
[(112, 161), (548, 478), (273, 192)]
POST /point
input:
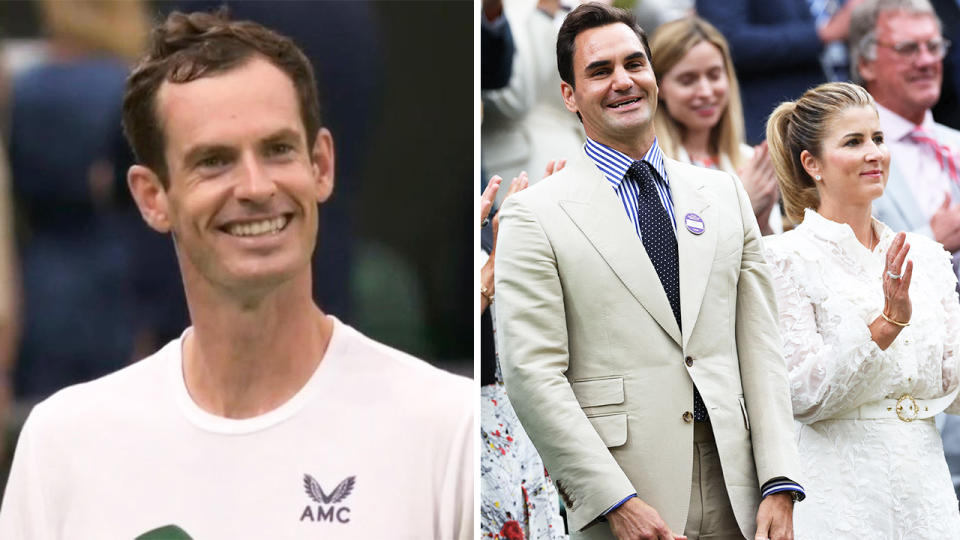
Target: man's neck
[(912, 114), (634, 149), (244, 359)]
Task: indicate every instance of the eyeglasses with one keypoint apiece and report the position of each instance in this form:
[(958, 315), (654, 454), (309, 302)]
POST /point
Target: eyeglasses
[(910, 50)]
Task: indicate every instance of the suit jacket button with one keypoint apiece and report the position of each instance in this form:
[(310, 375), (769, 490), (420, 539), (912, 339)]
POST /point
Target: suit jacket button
[(688, 417), (688, 360)]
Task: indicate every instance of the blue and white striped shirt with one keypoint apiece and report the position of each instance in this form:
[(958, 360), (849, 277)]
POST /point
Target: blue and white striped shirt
[(614, 164)]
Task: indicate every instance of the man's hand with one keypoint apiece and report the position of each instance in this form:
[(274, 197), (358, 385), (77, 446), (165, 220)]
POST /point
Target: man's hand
[(775, 517), (945, 224), (637, 520)]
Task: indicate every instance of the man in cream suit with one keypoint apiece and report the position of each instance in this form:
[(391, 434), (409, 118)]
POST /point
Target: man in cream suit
[(625, 284)]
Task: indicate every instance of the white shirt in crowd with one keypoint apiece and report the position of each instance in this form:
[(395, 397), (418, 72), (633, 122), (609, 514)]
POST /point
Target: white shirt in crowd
[(928, 181)]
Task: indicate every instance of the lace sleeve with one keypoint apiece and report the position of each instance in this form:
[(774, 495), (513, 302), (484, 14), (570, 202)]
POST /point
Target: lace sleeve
[(832, 369), (951, 345)]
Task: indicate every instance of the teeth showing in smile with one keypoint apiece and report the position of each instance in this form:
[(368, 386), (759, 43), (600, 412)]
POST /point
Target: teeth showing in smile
[(628, 102), (258, 228)]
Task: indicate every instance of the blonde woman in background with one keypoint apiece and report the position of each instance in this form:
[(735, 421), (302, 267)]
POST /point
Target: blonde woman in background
[(870, 337), (700, 118)]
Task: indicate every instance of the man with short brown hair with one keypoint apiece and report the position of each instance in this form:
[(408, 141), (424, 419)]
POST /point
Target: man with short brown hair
[(267, 418)]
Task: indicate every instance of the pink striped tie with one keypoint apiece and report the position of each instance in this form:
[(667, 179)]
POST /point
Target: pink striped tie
[(947, 157)]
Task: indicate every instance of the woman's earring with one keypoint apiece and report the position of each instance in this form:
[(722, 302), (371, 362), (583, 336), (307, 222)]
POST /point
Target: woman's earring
[(818, 178)]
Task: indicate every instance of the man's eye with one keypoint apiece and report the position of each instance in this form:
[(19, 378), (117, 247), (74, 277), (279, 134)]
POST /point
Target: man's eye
[(280, 149), (212, 162)]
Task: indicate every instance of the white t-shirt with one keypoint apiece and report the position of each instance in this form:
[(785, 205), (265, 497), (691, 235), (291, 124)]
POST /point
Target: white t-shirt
[(377, 444)]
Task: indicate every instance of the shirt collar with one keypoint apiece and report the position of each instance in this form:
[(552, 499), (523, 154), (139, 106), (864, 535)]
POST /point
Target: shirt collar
[(841, 235), (897, 128), (614, 164)]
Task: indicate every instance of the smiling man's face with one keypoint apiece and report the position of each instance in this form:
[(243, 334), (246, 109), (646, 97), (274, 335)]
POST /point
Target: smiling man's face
[(907, 86), (616, 90), (244, 186)]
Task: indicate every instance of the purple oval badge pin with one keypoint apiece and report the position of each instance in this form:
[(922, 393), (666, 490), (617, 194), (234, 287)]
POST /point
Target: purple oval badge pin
[(694, 223)]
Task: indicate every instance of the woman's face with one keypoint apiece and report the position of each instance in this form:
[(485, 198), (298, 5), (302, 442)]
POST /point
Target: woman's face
[(695, 90), (854, 161)]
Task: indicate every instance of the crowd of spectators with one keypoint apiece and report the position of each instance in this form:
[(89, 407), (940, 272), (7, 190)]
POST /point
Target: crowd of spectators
[(758, 53)]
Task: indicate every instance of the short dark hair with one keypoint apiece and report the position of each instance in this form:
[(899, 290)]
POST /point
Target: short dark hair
[(585, 17), (187, 47)]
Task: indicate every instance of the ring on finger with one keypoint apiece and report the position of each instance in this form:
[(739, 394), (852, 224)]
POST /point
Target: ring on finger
[(891, 275)]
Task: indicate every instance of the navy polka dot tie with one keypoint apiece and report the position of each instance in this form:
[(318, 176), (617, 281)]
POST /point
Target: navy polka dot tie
[(659, 240)]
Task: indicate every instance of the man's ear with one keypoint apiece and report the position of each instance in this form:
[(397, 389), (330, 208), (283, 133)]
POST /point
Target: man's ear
[(150, 196), (323, 164), (865, 68), (810, 163), (569, 100)]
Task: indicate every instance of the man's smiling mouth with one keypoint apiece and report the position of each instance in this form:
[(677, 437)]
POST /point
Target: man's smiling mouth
[(622, 103), (258, 228)]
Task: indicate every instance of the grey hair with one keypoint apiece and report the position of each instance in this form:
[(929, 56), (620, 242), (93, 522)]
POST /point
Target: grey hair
[(862, 39)]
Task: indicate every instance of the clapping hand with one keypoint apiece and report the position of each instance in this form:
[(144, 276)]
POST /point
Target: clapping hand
[(760, 180), (896, 281)]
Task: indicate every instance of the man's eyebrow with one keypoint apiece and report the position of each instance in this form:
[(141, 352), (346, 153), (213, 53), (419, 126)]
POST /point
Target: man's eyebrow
[(603, 63), (283, 134), (203, 150), (599, 63)]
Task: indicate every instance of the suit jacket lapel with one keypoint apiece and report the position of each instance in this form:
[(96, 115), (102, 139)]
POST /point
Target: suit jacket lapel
[(695, 251), (594, 208)]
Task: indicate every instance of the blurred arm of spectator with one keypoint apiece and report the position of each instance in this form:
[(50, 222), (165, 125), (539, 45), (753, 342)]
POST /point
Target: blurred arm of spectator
[(770, 34), (496, 46), (9, 300), (838, 27), (945, 225), (514, 100)]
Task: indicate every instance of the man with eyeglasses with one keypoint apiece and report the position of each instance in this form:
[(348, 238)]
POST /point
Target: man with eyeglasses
[(897, 54)]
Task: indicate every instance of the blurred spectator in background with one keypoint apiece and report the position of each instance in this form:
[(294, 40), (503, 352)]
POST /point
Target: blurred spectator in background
[(78, 305), (777, 48), (700, 117), (650, 14), (496, 46), (947, 109), (518, 498), (526, 124), (9, 301), (898, 52)]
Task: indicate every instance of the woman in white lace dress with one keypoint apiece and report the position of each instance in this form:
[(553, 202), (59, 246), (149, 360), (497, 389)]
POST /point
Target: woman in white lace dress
[(871, 328)]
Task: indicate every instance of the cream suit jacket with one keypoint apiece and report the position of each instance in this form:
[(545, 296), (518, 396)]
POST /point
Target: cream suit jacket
[(596, 366)]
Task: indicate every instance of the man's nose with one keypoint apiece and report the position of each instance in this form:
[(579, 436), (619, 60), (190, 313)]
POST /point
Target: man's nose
[(254, 183), (621, 79)]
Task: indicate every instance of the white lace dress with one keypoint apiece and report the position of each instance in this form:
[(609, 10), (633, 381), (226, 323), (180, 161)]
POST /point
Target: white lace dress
[(877, 479)]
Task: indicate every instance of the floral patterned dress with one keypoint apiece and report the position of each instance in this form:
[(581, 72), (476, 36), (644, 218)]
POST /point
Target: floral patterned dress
[(518, 498), (866, 478)]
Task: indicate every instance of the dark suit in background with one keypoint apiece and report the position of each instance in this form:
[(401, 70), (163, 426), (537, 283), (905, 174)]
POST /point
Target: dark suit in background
[(775, 51)]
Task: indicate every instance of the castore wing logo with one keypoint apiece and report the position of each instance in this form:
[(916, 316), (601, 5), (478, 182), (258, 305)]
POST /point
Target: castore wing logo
[(326, 509)]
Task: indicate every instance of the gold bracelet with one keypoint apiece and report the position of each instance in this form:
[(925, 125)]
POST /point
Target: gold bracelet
[(891, 321), (486, 292)]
